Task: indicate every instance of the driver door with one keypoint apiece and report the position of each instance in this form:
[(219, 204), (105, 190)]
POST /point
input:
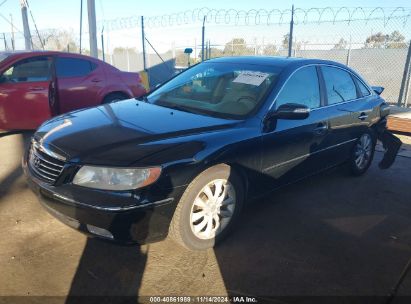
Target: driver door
[(24, 93), (293, 149)]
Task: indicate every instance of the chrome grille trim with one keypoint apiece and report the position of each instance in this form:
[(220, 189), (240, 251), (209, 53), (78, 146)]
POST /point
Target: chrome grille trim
[(43, 165)]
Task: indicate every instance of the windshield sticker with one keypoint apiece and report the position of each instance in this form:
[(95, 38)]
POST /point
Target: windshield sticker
[(249, 77)]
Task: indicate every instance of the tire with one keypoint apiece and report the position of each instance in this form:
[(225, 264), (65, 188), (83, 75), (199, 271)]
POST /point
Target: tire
[(195, 209), (114, 97), (362, 154)]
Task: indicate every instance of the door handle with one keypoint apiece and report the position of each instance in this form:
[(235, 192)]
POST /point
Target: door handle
[(36, 89), (362, 116), (96, 80), (321, 128)]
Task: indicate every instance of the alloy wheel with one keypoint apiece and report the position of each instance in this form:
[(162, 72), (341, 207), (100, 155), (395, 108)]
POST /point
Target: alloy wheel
[(212, 209), (363, 151)]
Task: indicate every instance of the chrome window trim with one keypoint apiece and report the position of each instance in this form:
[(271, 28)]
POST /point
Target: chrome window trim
[(365, 85), (319, 64), (306, 155)]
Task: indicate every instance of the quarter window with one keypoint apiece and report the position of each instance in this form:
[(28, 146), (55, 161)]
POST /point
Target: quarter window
[(339, 85), (363, 89), (28, 70), (302, 88), (73, 67)]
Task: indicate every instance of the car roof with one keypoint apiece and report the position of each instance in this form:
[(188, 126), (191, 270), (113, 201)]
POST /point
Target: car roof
[(278, 61), (28, 53)]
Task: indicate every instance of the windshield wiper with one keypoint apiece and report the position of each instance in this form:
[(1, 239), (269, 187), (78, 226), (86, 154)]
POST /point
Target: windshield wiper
[(182, 108)]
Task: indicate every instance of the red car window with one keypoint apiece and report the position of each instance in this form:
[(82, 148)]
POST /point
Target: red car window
[(35, 69), (73, 67)]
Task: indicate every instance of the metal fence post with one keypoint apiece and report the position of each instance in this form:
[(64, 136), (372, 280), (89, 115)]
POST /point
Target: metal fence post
[(102, 44), (143, 37), (5, 42), (128, 60), (347, 62), (195, 50), (290, 36), (202, 39), (81, 22), (407, 89), (405, 79)]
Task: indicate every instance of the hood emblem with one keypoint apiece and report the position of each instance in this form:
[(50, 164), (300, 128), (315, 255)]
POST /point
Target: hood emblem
[(36, 162)]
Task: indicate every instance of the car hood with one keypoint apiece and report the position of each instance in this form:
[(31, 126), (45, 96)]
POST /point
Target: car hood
[(122, 133)]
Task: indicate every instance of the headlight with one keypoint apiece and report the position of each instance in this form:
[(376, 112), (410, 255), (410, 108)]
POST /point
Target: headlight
[(116, 178)]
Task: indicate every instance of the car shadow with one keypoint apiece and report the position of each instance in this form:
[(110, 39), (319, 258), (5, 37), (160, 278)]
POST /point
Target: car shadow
[(107, 273), (10, 179), (329, 235)]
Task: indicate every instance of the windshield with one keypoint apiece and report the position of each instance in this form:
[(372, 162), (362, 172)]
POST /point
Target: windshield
[(225, 90)]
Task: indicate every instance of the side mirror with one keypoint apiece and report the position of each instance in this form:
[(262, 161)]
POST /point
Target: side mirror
[(378, 90), (292, 111)]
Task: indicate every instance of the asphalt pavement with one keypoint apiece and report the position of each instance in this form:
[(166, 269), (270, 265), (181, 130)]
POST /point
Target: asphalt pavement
[(329, 235)]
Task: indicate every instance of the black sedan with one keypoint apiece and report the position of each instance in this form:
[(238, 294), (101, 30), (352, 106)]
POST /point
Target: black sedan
[(182, 160)]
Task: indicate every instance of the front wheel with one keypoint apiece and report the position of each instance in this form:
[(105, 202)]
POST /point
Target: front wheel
[(362, 154), (208, 208)]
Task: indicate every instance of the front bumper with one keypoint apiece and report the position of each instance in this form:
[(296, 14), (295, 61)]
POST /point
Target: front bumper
[(144, 219)]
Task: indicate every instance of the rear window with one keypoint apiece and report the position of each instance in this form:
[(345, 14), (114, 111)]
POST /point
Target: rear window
[(73, 67), (339, 85)]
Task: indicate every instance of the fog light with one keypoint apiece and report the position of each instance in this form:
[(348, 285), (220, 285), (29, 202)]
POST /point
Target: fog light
[(100, 231)]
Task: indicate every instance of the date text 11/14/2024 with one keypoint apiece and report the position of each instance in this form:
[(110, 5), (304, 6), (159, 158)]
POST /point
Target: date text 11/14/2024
[(203, 299)]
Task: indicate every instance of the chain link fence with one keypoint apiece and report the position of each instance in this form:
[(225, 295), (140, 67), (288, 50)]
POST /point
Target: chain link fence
[(373, 41)]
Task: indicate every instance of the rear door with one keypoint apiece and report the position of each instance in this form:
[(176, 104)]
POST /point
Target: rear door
[(79, 83), (349, 113), (24, 93)]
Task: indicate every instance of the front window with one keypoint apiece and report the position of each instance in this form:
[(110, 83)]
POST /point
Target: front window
[(223, 90), (302, 88), (37, 69)]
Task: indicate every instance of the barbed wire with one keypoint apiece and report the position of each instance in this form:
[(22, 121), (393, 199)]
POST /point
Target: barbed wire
[(263, 17)]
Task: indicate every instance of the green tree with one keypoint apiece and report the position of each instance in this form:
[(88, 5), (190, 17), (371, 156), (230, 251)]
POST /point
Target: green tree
[(270, 49), (237, 47), (341, 44), (379, 40), (396, 41), (376, 41), (296, 45)]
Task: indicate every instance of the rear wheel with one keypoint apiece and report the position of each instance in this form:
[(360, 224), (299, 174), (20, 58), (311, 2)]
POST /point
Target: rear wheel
[(362, 154), (114, 97), (208, 208)]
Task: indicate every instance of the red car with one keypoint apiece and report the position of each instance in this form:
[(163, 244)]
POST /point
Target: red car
[(35, 86)]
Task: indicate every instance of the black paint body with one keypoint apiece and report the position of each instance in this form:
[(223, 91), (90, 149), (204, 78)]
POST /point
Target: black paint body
[(137, 134)]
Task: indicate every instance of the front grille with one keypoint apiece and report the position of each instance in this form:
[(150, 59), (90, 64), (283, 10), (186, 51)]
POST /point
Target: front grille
[(44, 166)]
